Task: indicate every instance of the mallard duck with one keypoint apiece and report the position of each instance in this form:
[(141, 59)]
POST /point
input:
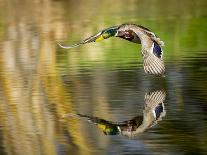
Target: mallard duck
[(151, 44), (153, 112)]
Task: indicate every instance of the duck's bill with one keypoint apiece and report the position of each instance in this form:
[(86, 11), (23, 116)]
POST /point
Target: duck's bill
[(105, 34)]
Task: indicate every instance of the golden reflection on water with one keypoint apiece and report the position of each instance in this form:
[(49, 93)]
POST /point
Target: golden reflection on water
[(33, 102), (33, 97)]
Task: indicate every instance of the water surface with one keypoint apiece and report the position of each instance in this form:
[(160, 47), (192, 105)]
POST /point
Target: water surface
[(44, 87)]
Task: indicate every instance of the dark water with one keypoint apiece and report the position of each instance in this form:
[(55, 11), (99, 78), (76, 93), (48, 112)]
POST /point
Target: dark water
[(96, 99)]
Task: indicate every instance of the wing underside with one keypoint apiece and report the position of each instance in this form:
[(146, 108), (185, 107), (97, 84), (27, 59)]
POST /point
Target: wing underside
[(153, 65)]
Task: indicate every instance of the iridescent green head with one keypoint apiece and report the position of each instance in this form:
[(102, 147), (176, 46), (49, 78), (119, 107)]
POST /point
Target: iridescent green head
[(109, 32)]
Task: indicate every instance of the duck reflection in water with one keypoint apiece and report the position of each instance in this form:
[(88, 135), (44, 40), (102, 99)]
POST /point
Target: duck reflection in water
[(153, 112)]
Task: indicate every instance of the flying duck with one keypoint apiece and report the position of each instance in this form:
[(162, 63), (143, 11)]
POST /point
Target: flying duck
[(151, 44)]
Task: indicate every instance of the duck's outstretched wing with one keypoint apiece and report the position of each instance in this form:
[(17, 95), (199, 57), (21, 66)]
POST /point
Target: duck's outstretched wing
[(152, 52), (151, 46), (101, 35), (153, 63), (87, 40)]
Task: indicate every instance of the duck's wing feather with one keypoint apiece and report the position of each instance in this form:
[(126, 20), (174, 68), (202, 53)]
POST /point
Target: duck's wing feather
[(154, 107), (150, 34), (153, 63), (69, 46), (151, 51), (151, 48), (87, 40), (153, 99)]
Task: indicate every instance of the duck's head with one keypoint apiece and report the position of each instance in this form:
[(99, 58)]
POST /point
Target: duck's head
[(116, 31), (107, 33)]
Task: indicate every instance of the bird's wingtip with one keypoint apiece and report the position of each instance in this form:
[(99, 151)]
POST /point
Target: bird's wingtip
[(62, 46), (154, 65), (59, 44), (68, 47)]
